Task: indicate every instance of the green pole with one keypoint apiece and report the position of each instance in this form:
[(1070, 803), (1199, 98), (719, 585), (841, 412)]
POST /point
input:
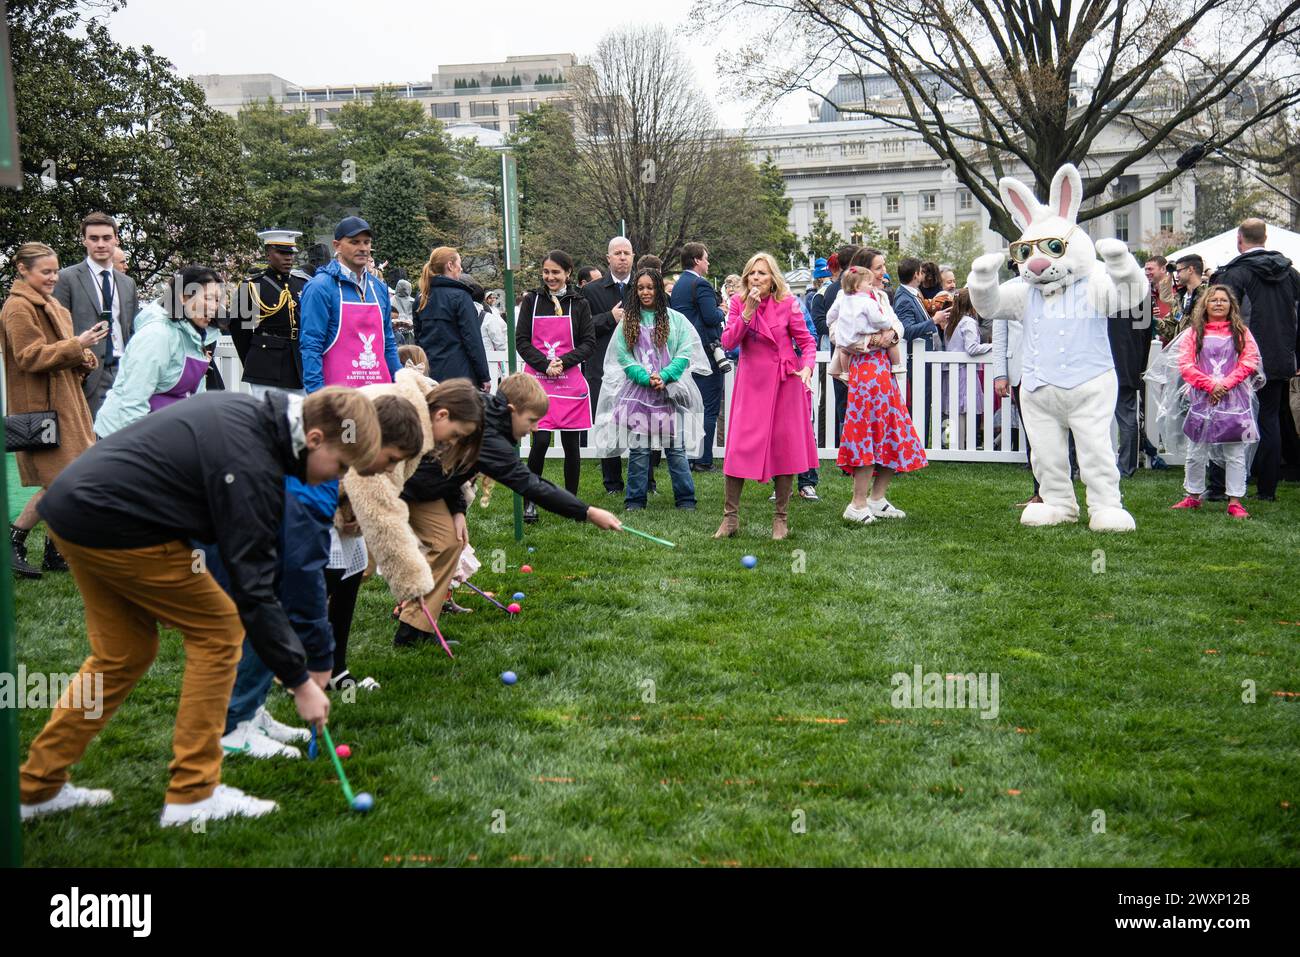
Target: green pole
[(11, 828), (513, 361), (511, 246)]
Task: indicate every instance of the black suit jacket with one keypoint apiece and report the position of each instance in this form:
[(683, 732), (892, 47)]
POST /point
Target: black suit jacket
[(602, 296)]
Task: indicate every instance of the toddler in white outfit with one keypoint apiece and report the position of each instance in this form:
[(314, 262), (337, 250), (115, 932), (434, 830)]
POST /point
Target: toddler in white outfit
[(855, 313)]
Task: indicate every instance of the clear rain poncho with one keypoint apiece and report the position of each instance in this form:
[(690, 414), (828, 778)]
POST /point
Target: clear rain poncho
[(1235, 418), (633, 416)]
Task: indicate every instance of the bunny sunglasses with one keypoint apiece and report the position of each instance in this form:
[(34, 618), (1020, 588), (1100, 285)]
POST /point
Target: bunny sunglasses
[(1052, 247)]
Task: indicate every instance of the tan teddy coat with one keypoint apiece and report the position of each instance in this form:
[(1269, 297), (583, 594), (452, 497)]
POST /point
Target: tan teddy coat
[(44, 366), (376, 499)]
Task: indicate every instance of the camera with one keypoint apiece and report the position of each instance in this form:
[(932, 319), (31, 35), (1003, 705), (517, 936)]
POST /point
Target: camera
[(719, 357)]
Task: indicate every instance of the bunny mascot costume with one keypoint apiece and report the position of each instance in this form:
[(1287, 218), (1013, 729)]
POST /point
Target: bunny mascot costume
[(1063, 296)]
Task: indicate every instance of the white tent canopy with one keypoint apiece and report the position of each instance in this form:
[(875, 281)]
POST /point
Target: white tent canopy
[(1219, 250)]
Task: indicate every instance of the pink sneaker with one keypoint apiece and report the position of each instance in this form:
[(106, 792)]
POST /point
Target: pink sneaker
[(1236, 511), (1190, 502)]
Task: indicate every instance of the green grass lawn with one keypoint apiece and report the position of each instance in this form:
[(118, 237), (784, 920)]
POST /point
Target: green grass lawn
[(1120, 692)]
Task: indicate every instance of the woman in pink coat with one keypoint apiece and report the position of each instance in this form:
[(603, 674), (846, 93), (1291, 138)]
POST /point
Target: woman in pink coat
[(769, 425)]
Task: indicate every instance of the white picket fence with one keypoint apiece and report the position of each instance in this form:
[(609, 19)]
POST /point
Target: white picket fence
[(993, 436), (983, 433)]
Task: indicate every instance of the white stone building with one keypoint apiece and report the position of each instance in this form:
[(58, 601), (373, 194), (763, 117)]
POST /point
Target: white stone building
[(855, 168), (457, 94)]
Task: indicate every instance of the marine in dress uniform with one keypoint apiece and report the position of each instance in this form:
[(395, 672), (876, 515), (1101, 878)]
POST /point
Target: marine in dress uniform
[(264, 328)]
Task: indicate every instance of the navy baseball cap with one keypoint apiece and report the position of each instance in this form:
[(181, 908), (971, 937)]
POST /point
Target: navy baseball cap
[(820, 269), (350, 227)]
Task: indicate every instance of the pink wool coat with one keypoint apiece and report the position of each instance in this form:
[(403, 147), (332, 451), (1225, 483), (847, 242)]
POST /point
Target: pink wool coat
[(769, 424)]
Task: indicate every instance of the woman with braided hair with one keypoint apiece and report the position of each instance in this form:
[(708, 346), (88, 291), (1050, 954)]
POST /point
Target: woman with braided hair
[(649, 402), (555, 335)]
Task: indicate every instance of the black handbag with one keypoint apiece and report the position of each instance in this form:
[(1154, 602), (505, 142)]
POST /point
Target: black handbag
[(33, 431)]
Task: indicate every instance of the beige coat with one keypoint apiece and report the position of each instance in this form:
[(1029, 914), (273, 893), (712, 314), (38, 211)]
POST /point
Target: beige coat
[(378, 506), (44, 366)]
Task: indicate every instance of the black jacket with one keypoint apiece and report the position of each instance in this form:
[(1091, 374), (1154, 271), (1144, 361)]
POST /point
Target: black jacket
[(1269, 289), (821, 305), (584, 331), (498, 459), (267, 341), (209, 469), (602, 296), (449, 330), (1130, 344)]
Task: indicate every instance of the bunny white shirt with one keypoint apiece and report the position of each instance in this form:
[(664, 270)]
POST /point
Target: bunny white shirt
[(1066, 343)]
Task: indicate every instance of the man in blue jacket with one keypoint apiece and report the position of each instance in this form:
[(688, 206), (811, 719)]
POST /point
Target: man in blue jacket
[(907, 304), (917, 324), (343, 309), (694, 297)]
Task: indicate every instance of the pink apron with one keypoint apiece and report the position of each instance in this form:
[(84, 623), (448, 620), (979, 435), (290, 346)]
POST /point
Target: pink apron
[(570, 409), (356, 356)]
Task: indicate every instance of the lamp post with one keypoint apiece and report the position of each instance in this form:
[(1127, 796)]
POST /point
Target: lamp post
[(510, 245)]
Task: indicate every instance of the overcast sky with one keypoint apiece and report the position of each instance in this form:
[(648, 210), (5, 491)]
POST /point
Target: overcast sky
[(327, 41)]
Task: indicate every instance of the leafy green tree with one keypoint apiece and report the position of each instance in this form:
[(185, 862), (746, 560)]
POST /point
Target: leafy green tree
[(956, 246), (822, 239), (391, 127), (475, 224), (1224, 198), (780, 240), (865, 232), (555, 210), (107, 127), (392, 201), (294, 168)]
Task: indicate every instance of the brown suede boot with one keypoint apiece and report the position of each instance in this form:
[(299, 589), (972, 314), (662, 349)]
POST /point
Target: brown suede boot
[(730, 509), (784, 485)]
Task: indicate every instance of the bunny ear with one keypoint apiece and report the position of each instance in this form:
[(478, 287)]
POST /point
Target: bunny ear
[(1019, 201), (1067, 192)]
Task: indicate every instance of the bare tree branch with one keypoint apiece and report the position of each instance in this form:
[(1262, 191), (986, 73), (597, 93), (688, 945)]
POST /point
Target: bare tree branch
[(994, 85)]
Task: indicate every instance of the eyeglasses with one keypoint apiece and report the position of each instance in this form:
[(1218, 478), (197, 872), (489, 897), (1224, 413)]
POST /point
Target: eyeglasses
[(1052, 248)]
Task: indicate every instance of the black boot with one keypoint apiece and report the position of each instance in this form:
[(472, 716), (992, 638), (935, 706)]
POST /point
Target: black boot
[(18, 539), (53, 560), (407, 636)]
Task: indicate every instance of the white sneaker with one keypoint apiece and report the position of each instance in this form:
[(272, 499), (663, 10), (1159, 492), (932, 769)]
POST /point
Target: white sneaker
[(69, 796), (248, 740), (344, 679), (883, 509), (276, 730), (224, 802), (809, 494), (861, 515), (772, 497)]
